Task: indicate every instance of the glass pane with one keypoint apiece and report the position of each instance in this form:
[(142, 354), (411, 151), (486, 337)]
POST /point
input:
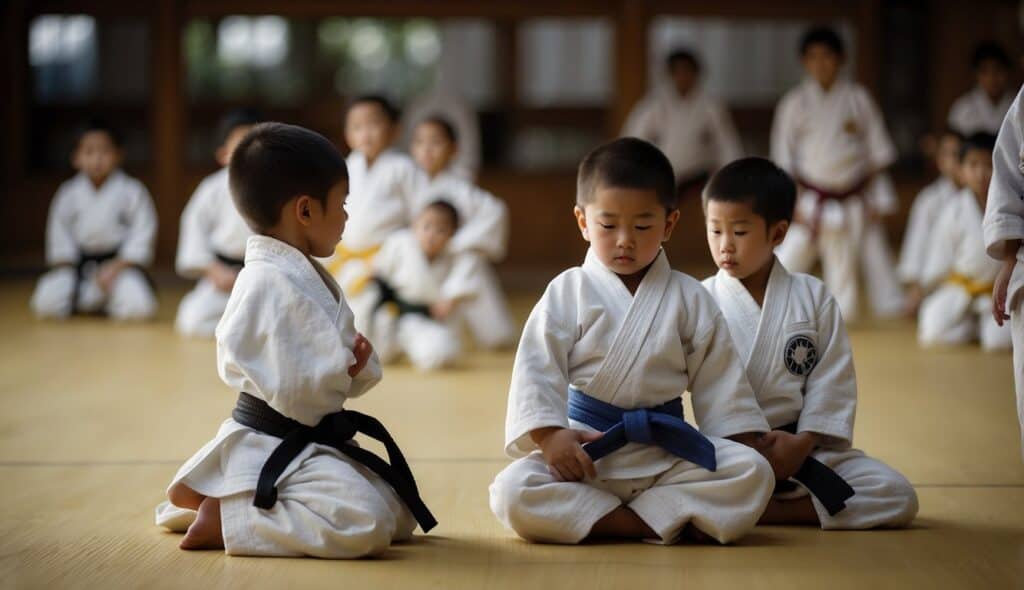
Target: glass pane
[(747, 63), (565, 62), (79, 69)]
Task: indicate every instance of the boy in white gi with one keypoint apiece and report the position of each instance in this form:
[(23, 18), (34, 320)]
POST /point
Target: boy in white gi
[(211, 244), (790, 335), (595, 412), (483, 232), (958, 270), (424, 287), (99, 236), (383, 185), (693, 129), (829, 134), (283, 475), (1003, 230), (984, 107), (924, 214)]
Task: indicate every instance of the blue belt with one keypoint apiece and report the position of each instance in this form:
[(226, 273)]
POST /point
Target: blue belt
[(661, 425)]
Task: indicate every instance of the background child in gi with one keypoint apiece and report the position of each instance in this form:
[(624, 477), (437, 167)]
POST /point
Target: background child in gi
[(99, 236), (211, 244)]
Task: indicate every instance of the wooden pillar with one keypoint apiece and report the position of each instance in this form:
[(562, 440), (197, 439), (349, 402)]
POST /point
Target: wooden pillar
[(868, 19), (15, 109), (507, 81), (631, 53), (168, 123)]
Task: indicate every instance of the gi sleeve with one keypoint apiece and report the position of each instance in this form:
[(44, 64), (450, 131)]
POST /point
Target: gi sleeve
[(830, 391), (1004, 208)]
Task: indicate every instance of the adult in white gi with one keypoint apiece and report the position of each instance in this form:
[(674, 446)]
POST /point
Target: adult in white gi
[(693, 129), (116, 218), (799, 363), (959, 269), (638, 351), (829, 134), (287, 338), (1003, 228)]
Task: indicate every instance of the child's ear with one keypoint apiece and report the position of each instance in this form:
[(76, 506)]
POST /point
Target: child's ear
[(777, 232), (670, 223), (581, 221), (222, 156), (304, 210)]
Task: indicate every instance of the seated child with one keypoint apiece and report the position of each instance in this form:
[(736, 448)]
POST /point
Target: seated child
[(383, 184), (483, 232), (959, 309), (286, 343), (423, 288), (984, 106), (611, 347), (99, 236), (791, 337), (211, 245), (928, 207)]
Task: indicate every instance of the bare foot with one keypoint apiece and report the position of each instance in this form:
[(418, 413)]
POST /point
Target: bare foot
[(205, 532), (183, 496)]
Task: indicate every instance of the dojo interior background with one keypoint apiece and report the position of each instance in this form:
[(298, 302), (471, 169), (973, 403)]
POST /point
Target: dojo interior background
[(98, 416)]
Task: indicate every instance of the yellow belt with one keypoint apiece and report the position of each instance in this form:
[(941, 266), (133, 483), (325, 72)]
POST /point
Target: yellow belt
[(343, 256), (973, 288)]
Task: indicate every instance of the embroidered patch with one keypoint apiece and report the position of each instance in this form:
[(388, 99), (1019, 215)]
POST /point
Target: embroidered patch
[(800, 356)]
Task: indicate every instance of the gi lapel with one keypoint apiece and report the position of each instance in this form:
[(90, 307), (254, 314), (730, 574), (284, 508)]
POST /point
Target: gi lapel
[(635, 327)]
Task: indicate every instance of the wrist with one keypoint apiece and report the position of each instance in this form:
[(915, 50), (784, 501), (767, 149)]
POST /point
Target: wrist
[(541, 435), (1010, 255), (808, 440)]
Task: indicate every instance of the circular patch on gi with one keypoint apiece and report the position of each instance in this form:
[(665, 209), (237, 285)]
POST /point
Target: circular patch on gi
[(800, 356)]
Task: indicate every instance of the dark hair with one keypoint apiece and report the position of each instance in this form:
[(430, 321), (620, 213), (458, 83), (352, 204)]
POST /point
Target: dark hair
[(826, 36), (769, 190), (989, 50), (101, 125), (446, 208), (275, 163), (980, 141), (682, 56), (446, 127), (627, 162), (390, 111), (950, 132), (235, 118)]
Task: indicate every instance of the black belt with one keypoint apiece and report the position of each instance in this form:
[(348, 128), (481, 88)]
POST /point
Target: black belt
[(84, 261), (230, 261), (389, 295), (820, 480), (334, 430)]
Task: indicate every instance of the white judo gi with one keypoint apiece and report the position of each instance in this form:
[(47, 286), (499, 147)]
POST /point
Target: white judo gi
[(974, 112), (1003, 222), (638, 351), (428, 343), (85, 220), (918, 240), (695, 131), (286, 338), (799, 363), (482, 233), (834, 141), (959, 310), (381, 200), (210, 226)]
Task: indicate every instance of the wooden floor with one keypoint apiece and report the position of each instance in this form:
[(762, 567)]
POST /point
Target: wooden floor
[(96, 418)]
